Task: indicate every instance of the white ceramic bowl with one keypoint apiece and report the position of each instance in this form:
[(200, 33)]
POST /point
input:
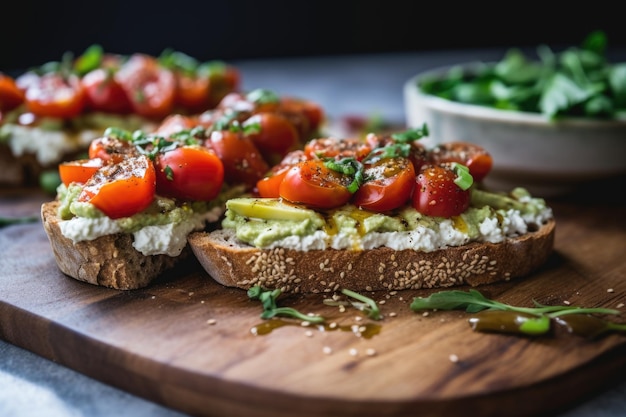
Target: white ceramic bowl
[(548, 158)]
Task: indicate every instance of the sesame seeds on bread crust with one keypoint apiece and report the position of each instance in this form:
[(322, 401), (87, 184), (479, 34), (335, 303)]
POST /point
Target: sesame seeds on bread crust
[(109, 261), (236, 264)]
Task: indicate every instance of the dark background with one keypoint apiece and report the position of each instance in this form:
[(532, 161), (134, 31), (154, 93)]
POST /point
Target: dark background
[(32, 32)]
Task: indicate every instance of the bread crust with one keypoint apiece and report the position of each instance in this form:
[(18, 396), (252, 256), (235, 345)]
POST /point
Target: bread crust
[(108, 261), (236, 264)]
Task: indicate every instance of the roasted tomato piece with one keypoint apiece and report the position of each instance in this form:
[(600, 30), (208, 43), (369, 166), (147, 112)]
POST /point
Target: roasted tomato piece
[(475, 157), (122, 189), (104, 93), (150, 87), (436, 193), (10, 94), (111, 149), (189, 173), (174, 124), (388, 184), (315, 185), (54, 95), (192, 91), (223, 79), (79, 171), (273, 134), (337, 148), (243, 162), (269, 186)]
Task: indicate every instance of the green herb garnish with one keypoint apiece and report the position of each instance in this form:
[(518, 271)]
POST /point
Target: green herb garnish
[(577, 82), (270, 308), (531, 320), (363, 303)]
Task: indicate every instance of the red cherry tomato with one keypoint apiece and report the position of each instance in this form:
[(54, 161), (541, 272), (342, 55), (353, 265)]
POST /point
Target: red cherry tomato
[(79, 171), (189, 173), (10, 94), (150, 87), (104, 93), (274, 135), (192, 91), (223, 79), (336, 148), (313, 184), (436, 193), (269, 186), (175, 123), (111, 149), (122, 189), (477, 159), (243, 163), (389, 184), (52, 95), (311, 110)]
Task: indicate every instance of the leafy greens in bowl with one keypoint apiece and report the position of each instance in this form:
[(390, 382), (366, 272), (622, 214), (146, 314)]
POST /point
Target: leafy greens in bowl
[(577, 82), (551, 125)]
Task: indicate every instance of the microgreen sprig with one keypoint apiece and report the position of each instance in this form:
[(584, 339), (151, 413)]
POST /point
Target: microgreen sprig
[(411, 135), (363, 303), (270, 307)]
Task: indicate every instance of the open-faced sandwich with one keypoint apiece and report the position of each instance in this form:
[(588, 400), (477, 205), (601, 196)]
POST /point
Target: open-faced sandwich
[(52, 113), (121, 217), (383, 213)]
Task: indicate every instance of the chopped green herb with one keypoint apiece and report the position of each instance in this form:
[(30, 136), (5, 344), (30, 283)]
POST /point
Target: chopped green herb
[(270, 308), (363, 303)]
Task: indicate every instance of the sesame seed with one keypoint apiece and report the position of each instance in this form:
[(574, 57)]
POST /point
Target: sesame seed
[(566, 302), (610, 290), (620, 305), (393, 314), (308, 333), (425, 314), (305, 323), (370, 352), (327, 350), (353, 352), (211, 321), (454, 358)]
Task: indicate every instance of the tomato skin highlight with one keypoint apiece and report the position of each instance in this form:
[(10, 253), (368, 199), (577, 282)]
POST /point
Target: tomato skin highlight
[(122, 189), (437, 195), (52, 95), (150, 88), (388, 186), (313, 184), (243, 163), (79, 171), (269, 186), (477, 159), (189, 173), (104, 93), (275, 137)]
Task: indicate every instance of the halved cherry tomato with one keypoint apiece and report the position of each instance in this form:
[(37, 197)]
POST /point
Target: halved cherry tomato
[(104, 93), (243, 163), (111, 149), (436, 193), (273, 134), (189, 173), (477, 159), (388, 184), (122, 189), (175, 123), (223, 79), (79, 171), (315, 185), (10, 94), (336, 148), (149, 86), (418, 154), (192, 91), (53, 95), (269, 186)]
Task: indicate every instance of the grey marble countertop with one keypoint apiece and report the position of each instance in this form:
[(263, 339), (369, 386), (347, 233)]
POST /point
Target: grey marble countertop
[(366, 85)]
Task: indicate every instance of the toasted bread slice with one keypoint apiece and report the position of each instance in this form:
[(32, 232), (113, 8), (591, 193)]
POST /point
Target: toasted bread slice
[(109, 261), (236, 264)]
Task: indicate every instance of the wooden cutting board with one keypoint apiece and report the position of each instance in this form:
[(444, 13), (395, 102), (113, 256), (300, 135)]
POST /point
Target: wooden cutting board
[(188, 343)]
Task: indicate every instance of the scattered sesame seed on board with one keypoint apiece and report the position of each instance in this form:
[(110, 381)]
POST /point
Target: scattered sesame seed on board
[(453, 358), (610, 290), (211, 321)]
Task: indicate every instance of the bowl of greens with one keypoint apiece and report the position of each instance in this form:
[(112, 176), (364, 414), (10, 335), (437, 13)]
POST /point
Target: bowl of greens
[(551, 123)]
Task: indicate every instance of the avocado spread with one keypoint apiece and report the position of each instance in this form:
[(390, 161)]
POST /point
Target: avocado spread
[(274, 223)]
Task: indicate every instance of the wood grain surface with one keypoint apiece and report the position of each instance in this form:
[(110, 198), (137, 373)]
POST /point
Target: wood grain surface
[(189, 343)]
